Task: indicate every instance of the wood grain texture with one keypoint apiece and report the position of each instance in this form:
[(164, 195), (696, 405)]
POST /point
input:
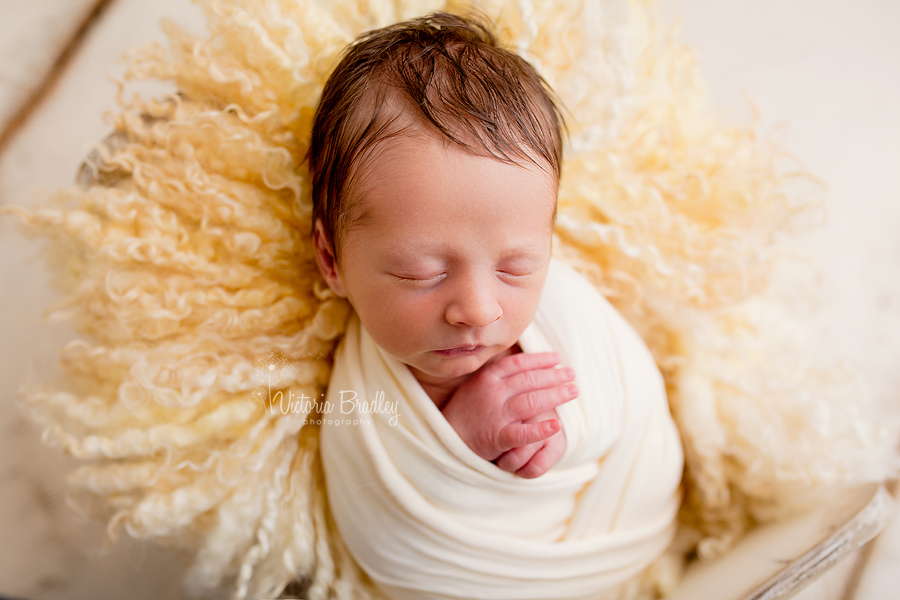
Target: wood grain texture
[(36, 39), (48, 551)]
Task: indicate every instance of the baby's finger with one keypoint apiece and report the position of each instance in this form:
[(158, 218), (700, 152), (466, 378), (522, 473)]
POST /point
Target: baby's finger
[(548, 455), (515, 459), (535, 467), (522, 434), (526, 406), (523, 361), (538, 379)]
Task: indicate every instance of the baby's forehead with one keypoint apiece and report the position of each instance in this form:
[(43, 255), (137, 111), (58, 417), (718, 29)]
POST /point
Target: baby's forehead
[(416, 158), (431, 189)]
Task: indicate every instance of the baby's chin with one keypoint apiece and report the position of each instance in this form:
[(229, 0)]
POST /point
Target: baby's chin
[(451, 368)]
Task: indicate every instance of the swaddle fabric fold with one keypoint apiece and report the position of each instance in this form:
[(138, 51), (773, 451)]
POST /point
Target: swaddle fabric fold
[(426, 517)]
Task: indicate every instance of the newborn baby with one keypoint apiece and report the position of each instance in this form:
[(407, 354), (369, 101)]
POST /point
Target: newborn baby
[(503, 433)]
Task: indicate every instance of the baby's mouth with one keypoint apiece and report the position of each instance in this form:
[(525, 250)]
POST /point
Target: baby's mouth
[(460, 351)]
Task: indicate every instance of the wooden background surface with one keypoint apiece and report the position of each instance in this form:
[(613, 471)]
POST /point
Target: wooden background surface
[(828, 69)]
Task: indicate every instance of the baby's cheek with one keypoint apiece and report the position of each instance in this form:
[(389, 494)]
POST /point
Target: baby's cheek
[(399, 327), (519, 306)]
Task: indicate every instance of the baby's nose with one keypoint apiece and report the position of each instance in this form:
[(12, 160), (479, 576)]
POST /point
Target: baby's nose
[(474, 304)]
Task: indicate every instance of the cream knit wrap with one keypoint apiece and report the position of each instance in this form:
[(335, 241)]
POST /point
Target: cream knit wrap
[(427, 518)]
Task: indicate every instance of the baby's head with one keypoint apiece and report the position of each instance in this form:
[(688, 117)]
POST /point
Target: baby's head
[(435, 159)]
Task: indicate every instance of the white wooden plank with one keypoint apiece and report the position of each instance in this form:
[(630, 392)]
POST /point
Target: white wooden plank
[(832, 585), (881, 577), (32, 36), (47, 552), (823, 66), (828, 69)]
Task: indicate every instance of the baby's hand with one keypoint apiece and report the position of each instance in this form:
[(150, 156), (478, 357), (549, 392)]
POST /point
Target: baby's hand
[(535, 459), (509, 404)]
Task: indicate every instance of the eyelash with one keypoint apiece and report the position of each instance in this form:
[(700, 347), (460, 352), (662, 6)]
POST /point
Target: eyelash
[(419, 279), (518, 275), (414, 280)]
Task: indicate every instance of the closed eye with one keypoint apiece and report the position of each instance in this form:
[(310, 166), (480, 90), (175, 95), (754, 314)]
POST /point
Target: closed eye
[(516, 274), (420, 279)]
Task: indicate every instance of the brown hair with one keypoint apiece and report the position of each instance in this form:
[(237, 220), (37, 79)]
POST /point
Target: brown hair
[(450, 72)]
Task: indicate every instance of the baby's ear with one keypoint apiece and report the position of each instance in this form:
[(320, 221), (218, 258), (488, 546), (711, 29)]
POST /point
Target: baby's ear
[(325, 260)]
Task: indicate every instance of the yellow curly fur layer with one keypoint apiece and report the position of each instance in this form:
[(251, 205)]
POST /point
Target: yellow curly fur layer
[(189, 268)]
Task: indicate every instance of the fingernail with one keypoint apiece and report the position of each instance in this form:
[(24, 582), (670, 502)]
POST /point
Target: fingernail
[(569, 373), (554, 425), (573, 391)]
